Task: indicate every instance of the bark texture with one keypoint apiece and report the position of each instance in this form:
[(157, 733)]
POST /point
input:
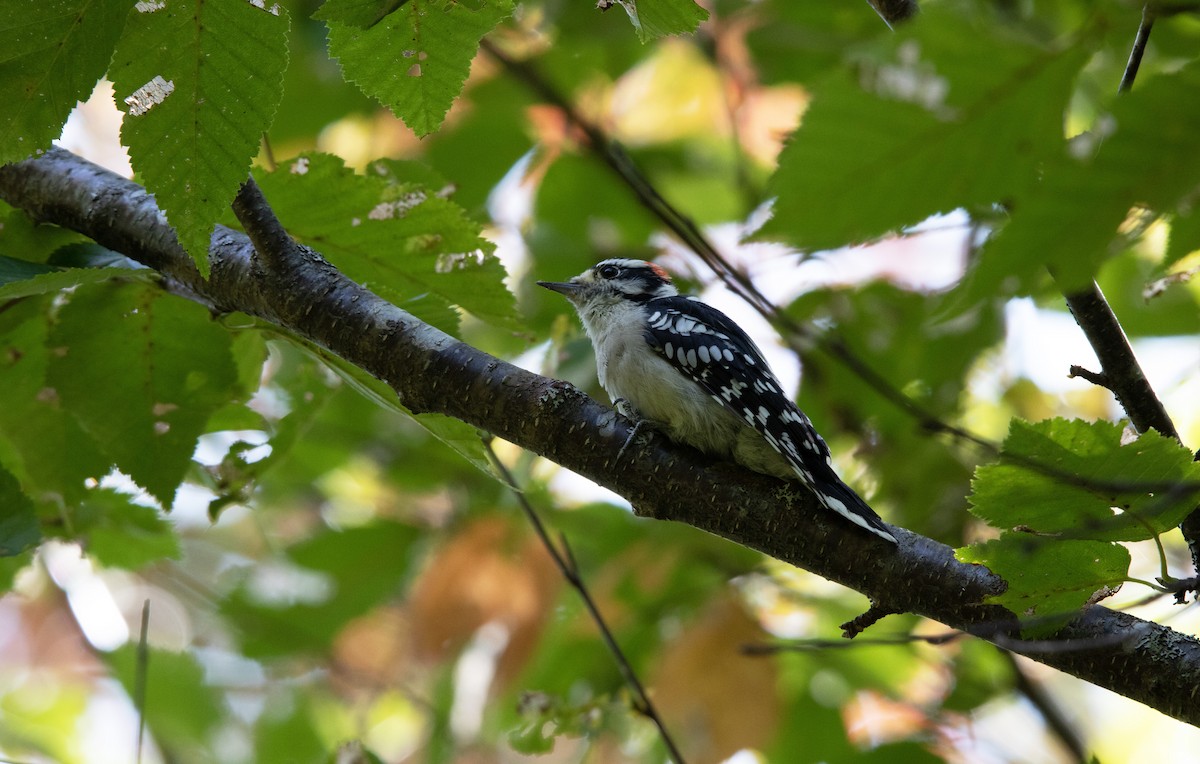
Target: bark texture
[(297, 289)]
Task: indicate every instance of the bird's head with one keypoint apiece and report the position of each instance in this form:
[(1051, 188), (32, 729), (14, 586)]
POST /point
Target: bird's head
[(616, 279)]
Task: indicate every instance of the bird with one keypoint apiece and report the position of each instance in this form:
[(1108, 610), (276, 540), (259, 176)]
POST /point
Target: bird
[(690, 371)]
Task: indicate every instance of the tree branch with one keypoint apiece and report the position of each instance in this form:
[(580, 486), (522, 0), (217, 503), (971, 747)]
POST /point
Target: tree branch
[(432, 371), (1120, 371)]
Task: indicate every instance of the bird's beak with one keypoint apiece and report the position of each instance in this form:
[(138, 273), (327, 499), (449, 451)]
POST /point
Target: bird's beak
[(565, 288)]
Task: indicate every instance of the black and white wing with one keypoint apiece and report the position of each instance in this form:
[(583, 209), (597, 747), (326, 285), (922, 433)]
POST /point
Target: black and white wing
[(709, 348)]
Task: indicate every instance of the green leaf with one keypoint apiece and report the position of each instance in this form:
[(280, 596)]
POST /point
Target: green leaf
[(958, 110), (1125, 281), (121, 534), (24, 239), (54, 51), (455, 433), (1141, 154), (1048, 581), (1089, 473), (546, 717), (141, 372), (181, 709), (19, 278), (14, 271), (199, 84), (45, 445), (1185, 235), (337, 576), (485, 143), (662, 18), (358, 13), (288, 729), (394, 236), (18, 521), (415, 60), (11, 566)]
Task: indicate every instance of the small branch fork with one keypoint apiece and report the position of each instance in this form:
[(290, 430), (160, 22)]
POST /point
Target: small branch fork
[(1120, 372), (431, 371), (277, 253)]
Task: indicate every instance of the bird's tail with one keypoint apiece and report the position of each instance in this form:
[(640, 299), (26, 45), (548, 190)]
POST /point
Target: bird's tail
[(842, 499)]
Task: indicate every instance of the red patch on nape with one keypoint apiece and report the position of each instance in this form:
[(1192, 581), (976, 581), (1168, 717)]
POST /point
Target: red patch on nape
[(660, 272)]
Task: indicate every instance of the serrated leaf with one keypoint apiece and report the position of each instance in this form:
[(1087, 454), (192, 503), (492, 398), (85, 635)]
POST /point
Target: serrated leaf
[(662, 18), (416, 59), (1141, 154), (1048, 581), (199, 84), (345, 573), (52, 52), (1086, 472), (957, 110), (18, 521), (121, 534), (141, 372), (398, 238)]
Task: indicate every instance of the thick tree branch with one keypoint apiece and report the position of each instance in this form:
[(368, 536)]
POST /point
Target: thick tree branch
[(432, 371)]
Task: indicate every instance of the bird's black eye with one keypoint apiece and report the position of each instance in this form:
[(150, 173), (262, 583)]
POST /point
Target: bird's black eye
[(608, 271)]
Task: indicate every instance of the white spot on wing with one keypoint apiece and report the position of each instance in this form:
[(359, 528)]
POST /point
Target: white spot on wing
[(704, 354)]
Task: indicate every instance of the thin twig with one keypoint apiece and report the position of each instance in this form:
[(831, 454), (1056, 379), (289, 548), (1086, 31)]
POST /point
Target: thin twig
[(1139, 48), (793, 333), (1120, 371), (564, 559), (141, 678)]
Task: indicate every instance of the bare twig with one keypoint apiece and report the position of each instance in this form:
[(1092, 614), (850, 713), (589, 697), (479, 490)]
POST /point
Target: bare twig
[(797, 336), (1139, 48), (860, 623), (141, 679), (564, 559), (1120, 371)]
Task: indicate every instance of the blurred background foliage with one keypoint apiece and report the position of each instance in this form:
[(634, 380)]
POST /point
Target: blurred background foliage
[(332, 570)]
